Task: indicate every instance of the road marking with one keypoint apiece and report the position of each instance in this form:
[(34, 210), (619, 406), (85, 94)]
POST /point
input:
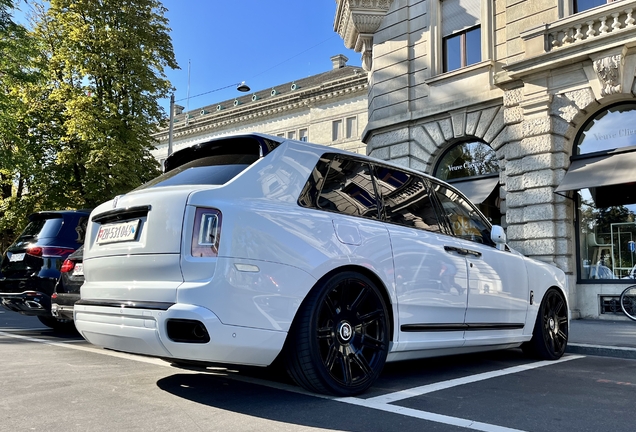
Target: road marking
[(604, 347), (381, 403), (418, 391)]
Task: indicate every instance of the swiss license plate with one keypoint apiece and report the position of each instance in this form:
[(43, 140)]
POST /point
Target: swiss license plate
[(78, 270), (117, 232), (16, 257)]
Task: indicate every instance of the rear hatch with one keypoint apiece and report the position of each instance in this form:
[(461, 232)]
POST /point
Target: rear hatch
[(39, 247), (133, 246)]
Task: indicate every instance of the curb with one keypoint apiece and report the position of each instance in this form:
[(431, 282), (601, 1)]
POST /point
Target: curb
[(601, 350)]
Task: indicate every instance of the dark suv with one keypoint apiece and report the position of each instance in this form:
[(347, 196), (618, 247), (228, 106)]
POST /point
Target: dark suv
[(31, 265)]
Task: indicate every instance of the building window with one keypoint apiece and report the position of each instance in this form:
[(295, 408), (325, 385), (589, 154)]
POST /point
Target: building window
[(461, 33), (583, 5), (352, 127), (462, 49), (302, 135), (602, 175), (291, 135), (282, 135), (336, 130), (473, 168)]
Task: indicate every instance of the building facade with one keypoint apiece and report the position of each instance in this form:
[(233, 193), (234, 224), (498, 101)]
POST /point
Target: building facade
[(528, 106), (328, 108)]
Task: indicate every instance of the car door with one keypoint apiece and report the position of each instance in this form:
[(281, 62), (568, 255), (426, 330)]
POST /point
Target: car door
[(498, 294), (430, 282)]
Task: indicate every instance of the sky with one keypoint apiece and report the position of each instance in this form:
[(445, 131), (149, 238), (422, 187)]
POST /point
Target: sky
[(264, 43)]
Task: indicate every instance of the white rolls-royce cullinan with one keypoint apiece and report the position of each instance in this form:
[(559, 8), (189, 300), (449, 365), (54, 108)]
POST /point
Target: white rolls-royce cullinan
[(254, 247)]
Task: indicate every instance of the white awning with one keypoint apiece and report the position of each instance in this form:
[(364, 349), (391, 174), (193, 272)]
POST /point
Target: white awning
[(478, 190), (606, 170)]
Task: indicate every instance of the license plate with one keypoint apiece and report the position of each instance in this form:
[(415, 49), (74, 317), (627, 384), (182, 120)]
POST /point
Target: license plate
[(78, 270), (117, 232), (16, 257)]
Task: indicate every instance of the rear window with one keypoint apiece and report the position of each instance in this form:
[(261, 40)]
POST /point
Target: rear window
[(211, 170), (42, 228)]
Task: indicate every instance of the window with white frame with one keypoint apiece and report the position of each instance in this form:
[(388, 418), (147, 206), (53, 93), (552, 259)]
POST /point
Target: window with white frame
[(302, 135), (351, 130), (336, 130), (461, 33), (583, 5), (282, 135), (291, 135)]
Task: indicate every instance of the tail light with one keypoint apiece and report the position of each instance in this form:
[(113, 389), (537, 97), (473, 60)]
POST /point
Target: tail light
[(49, 251), (206, 233), (67, 266)]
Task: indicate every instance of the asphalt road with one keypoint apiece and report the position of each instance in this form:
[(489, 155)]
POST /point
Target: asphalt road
[(59, 382)]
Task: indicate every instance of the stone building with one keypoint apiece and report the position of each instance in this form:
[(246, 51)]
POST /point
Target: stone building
[(329, 108), (529, 107)]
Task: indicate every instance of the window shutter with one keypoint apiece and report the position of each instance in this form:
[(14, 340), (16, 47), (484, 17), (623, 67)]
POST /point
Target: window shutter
[(458, 15)]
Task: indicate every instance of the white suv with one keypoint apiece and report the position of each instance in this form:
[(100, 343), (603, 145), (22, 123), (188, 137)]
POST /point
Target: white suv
[(253, 246)]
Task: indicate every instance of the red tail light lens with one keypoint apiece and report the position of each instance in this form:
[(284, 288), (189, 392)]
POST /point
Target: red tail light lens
[(67, 266), (49, 251), (206, 233)]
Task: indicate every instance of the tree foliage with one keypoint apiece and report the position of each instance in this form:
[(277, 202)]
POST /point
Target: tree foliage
[(81, 106)]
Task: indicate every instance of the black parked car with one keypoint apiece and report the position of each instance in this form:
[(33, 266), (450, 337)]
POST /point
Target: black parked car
[(31, 265), (67, 289)]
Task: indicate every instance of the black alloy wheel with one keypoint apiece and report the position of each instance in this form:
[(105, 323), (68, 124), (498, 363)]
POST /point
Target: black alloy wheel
[(550, 335), (340, 339)]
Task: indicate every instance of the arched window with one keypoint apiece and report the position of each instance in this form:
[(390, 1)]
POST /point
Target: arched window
[(602, 173), (473, 168)]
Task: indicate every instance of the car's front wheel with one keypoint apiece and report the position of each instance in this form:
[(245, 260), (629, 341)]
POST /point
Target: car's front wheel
[(550, 335), (340, 339)]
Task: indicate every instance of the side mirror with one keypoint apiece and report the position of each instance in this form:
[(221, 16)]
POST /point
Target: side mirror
[(498, 236)]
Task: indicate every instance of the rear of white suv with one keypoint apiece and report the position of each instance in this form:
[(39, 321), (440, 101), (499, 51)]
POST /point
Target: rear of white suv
[(159, 279)]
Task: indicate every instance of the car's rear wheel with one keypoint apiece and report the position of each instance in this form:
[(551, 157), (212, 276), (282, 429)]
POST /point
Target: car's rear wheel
[(57, 324), (550, 335), (340, 339)]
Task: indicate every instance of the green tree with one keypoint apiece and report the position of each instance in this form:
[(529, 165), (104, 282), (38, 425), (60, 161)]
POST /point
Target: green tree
[(106, 66)]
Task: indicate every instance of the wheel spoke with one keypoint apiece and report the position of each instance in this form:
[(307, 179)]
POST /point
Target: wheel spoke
[(373, 343), (362, 363), (359, 299), (346, 368), (331, 308), (371, 317), (332, 355), (324, 333)]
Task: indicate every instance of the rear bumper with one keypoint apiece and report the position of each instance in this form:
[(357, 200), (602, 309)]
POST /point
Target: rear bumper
[(144, 331), (27, 303)]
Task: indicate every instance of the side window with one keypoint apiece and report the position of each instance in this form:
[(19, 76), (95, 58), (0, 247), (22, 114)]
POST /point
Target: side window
[(80, 229), (309, 195), (406, 199), (348, 189), (463, 219)]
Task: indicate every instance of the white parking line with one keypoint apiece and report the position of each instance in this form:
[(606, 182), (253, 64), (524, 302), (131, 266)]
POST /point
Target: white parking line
[(382, 403), (418, 391)]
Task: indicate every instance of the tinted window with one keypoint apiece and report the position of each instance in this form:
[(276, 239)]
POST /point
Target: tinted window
[(463, 219), (43, 228), (348, 188), (406, 199), (211, 170)]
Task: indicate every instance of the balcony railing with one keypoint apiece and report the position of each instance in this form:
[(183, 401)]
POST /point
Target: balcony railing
[(590, 25)]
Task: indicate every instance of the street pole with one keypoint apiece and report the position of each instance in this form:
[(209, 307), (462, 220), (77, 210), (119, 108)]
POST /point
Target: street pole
[(171, 124)]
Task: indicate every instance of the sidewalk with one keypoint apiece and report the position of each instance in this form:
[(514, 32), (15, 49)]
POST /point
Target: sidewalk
[(603, 338)]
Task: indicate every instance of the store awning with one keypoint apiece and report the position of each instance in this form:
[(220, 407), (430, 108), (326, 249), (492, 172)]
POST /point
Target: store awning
[(478, 190), (606, 170)]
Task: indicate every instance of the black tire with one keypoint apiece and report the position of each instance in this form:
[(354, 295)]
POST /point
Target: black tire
[(340, 338), (628, 302), (551, 329), (57, 324)]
